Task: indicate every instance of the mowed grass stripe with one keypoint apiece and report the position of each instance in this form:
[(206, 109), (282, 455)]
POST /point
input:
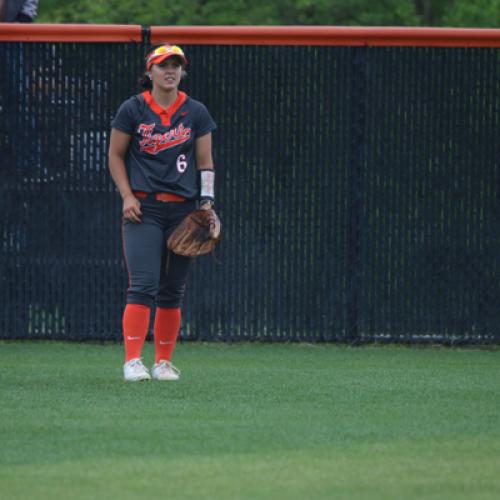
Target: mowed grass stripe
[(251, 421), (360, 471)]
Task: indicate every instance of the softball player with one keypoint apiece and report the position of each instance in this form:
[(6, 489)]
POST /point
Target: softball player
[(160, 158)]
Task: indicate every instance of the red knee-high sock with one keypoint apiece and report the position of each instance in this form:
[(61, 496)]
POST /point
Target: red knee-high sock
[(135, 329), (167, 324)]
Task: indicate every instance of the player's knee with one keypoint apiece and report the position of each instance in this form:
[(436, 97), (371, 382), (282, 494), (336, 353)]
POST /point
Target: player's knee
[(172, 296), (144, 283), (140, 298), (143, 290)]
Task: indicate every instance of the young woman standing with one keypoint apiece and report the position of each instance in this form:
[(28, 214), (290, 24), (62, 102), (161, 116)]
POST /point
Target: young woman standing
[(160, 158)]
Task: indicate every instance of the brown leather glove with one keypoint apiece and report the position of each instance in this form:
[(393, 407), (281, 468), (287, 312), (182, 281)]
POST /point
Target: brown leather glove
[(197, 234)]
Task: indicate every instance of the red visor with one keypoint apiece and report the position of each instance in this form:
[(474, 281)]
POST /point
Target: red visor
[(164, 52)]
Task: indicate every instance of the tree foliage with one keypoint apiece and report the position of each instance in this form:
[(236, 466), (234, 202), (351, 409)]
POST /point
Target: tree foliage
[(480, 13)]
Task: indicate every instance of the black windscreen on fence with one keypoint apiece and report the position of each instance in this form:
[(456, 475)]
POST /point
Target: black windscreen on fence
[(357, 186)]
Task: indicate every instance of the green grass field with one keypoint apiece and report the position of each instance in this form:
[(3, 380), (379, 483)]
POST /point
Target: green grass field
[(250, 421)]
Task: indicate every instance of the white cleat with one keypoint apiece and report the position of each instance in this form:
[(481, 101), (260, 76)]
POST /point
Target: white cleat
[(134, 370), (165, 370)]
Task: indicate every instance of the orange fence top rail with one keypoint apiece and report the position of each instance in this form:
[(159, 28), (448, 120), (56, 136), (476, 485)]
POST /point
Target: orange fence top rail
[(21, 32), (254, 35), (327, 35)]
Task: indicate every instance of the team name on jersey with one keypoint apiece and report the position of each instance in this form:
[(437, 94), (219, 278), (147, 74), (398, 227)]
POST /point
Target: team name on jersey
[(154, 143)]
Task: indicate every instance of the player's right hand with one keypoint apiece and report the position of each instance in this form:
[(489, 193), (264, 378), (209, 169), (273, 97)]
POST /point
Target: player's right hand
[(132, 209)]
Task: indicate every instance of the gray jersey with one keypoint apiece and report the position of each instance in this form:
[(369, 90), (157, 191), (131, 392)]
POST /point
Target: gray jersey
[(161, 157)]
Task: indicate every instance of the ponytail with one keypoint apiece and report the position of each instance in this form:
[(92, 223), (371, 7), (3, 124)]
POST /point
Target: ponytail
[(145, 82)]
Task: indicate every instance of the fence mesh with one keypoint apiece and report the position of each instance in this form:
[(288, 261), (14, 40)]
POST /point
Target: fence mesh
[(358, 188)]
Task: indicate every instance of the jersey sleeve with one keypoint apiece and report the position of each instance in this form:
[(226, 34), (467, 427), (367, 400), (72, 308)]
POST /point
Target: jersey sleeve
[(205, 122), (125, 118)]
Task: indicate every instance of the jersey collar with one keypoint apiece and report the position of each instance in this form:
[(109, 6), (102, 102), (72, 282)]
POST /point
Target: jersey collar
[(164, 114)]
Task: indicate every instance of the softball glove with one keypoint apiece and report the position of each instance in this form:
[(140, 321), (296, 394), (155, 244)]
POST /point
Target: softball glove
[(197, 234)]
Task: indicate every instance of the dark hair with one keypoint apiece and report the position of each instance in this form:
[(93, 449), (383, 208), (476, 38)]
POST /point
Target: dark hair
[(145, 82)]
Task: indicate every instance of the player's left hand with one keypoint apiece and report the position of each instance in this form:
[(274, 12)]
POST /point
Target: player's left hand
[(214, 230), (214, 225)]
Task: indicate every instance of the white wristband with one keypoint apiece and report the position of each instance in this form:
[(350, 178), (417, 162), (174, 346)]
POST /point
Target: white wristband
[(207, 180)]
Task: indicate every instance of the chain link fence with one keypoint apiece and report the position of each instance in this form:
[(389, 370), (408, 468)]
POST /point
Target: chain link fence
[(358, 188)]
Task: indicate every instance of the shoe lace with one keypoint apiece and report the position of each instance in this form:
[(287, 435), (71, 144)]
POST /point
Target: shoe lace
[(137, 363), (164, 364)]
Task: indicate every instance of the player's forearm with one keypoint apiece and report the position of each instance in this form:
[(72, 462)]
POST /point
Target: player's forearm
[(119, 175)]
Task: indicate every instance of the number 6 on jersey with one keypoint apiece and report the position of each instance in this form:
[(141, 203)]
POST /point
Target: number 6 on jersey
[(181, 163)]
